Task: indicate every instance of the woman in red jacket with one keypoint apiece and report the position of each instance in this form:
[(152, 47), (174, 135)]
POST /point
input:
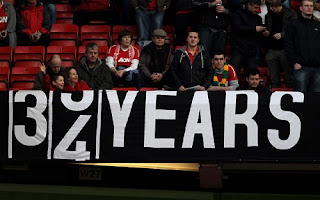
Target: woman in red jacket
[(72, 81)]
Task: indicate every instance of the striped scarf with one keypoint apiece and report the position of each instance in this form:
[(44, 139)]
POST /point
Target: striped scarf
[(224, 76)]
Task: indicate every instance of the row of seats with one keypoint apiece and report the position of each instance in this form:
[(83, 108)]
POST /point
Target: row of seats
[(103, 35)]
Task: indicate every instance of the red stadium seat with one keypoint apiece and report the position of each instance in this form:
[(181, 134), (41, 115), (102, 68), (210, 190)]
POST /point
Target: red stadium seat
[(264, 74), (116, 29), (5, 56), (68, 54), (99, 34), (148, 89), (281, 89), (103, 52), (64, 35), (10, 1), (178, 47), (125, 88), (28, 54), (64, 13), (23, 77), (4, 78)]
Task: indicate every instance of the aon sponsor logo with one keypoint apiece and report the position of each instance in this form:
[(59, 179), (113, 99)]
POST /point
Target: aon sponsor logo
[(4, 19), (124, 60)]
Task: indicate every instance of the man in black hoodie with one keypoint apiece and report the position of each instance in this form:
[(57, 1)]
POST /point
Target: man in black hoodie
[(302, 46), (191, 67)]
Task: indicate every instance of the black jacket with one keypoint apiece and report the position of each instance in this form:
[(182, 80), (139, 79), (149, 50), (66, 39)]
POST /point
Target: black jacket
[(200, 73), (288, 15), (302, 42), (244, 37), (183, 5), (100, 78), (210, 17), (155, 61)]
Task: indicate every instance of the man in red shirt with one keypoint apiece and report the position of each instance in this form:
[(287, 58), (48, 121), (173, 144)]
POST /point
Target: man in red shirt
[(123, 59), (33, 24), (224, 76)]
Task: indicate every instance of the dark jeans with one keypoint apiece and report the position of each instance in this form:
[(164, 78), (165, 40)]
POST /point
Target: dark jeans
[(24, 40), (307, 79), (239, 60), (212, 41), (147, 21), (277, 61), (128, 79)]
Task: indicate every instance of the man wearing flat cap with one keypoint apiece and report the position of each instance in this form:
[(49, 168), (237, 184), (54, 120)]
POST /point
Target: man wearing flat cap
[(154, 61)]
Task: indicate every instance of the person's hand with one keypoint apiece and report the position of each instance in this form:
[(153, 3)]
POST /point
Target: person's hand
[(182, 89), (277, 36), (297, 66), (43, 68), (266, 33), (156, 77), (37, 36), (121, 72), (165, 8), (32, 37), (3, 34), (216, 2), (260, 28), (202, 88), (220, 9)]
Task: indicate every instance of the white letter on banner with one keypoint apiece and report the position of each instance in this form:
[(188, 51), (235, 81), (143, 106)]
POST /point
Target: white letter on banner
[(293, 119), (120, 115), (34, 113), (231, 118), (151, 115), (80, 153), (200, 107)]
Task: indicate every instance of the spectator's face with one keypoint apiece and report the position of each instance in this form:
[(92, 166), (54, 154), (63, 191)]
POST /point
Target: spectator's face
[(253, 80), (125, 41), (31, 2), (59, 83), (92, 55), (158, 40), (253, 8), (193, 39), (275, 8), (307, 8), (73, 76), (219, 61), (55, 65)]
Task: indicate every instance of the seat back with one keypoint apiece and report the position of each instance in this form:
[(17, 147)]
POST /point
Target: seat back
[(64, 35), (28, 53), (99, 34), (65, 13), (5, 56), (68, 54)]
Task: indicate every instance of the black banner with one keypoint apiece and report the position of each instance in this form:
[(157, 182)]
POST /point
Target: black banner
[(159, 126)]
